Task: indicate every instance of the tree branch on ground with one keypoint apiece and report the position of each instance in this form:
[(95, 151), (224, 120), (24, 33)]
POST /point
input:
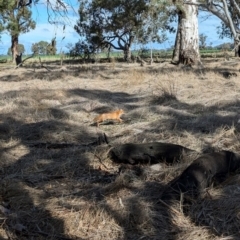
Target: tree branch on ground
[(41, 64), (20, 64)]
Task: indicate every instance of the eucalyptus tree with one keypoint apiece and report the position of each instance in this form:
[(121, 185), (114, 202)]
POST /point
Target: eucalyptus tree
[(16, 18), (187, 38), (40, 48), (186, 49), (228, 11), (155, 29), (117, 24), (20, 48), (44, 48)]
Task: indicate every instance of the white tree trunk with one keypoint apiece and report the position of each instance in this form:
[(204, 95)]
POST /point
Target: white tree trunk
[(188, 51), (176, 50)]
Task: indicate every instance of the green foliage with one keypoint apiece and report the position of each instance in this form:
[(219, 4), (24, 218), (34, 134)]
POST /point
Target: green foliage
[(15, 19), (44, 48), (16, 3), (224, 30), (40, 48), (20, 49), (81, 49), (117, 24), (156, 22), (225, 46)]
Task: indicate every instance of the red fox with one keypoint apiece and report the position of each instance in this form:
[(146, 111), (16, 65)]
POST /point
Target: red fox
[(115, 115)]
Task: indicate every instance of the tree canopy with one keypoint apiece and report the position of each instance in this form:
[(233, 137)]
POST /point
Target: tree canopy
[(228, 11), (117, 24), (16, 19), (20, 49), (225, 29), (44, 48)]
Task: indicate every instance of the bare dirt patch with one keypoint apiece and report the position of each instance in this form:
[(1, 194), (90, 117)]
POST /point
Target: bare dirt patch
[(75, 191)]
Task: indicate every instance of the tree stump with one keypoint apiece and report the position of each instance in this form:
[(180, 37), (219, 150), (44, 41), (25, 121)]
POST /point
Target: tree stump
[(19, 59)]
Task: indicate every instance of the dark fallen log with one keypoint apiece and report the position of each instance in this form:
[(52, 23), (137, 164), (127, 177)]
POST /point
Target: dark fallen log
[(208, 169), (151, 153)]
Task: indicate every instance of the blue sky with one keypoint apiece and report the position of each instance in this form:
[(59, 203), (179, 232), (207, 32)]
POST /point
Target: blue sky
[(46, 31)]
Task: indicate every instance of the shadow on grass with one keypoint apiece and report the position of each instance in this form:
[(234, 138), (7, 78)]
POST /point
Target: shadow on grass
[(195, 118), (52, 70), (219, 210), (50, 191), (207, 191), (39, 184)]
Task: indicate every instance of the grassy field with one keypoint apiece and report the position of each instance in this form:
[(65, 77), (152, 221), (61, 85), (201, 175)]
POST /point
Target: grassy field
[(74, 190), (161, 54)]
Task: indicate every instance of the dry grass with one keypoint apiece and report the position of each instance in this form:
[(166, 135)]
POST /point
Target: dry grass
[(76, 192)]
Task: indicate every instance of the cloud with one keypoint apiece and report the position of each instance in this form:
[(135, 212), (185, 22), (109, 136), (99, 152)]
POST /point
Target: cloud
[(45, 30)]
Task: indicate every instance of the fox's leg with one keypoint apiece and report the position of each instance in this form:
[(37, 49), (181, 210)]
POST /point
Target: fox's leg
[(119, 120)]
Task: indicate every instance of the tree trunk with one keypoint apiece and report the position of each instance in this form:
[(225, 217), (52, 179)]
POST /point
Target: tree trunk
[(187, 39), (14, 47), (127, 53), (176, 50), (19, 60), (127, 50), (237, 48)]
